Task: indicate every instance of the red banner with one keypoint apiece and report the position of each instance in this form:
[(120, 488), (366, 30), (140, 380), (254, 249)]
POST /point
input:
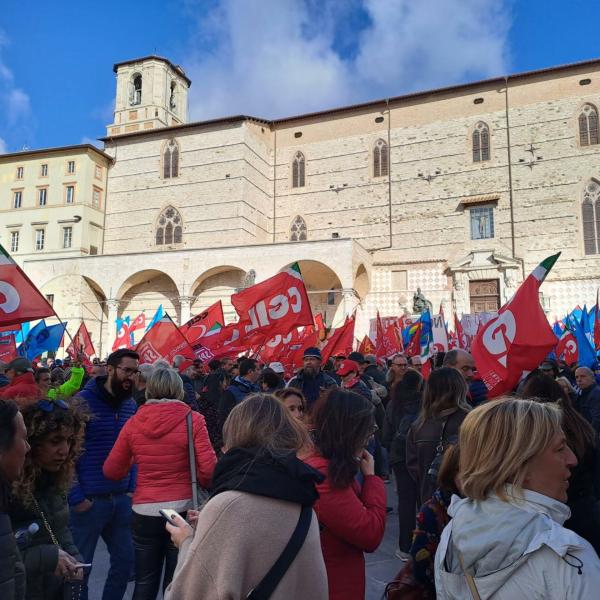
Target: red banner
[(340, 341), (82, 342), (320, 327), (8, 348), (138, 323), (20, 300), (366, 346), (123, 339), (164, 341), (274, 306), (567, 348), (199, 325)]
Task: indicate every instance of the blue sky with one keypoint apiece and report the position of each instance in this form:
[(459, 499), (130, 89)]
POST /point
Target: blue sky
[(268, 58)]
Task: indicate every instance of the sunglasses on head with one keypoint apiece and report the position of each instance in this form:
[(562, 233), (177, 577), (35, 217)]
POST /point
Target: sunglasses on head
[(49, 405)]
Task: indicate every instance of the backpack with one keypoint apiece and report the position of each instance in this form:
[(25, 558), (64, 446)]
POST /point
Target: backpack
[(398, 445)]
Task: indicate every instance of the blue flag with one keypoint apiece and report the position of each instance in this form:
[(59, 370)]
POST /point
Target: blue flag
[(42, 339), (426, 333), (587, 355), (158, 315)]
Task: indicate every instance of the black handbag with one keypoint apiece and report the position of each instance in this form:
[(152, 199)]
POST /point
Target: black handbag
[(434, 467)]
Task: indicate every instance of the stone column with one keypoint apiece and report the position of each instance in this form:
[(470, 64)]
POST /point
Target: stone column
[(109, 333), (185, 306), (349, 300)]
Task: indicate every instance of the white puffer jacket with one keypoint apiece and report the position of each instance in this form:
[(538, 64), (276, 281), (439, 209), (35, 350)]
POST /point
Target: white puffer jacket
[(515, 550)]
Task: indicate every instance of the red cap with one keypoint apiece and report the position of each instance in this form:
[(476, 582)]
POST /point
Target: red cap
[(347, 367)]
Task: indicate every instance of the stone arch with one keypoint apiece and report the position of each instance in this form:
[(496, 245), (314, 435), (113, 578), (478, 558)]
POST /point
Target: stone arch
[(144, 291), (361, 282), (217, 283), (324, 289)]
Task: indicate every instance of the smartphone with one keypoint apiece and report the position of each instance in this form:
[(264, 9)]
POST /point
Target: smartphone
[(83, 565), (169, 515)]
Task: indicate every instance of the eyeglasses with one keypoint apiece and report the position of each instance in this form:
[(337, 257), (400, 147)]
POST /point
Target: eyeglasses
[(48, 406), (128, 372), (400, 364)]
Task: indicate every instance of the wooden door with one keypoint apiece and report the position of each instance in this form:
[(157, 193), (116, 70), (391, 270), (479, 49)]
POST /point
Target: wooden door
[(484, 295)]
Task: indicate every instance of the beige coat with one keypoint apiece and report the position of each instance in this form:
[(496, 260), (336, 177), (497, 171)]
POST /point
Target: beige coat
[(238, 538)]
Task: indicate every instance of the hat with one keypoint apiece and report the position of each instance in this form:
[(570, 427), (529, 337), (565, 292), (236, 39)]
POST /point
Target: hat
[(277, 367), (314, 352), (356, 357), (371, 359), (21, 365), (347, 367)]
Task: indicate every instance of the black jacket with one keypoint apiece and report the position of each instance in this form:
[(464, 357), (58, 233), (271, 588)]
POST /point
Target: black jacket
[(12, 570), (588, 404), (406, 407), (40, 555), (312, 387)]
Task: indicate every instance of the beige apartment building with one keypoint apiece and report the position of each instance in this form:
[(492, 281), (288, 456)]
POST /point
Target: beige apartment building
[(458, 191)]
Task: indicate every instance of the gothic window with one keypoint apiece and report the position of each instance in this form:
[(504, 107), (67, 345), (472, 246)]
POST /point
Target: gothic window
[(169, 228), (136, 90), (298, 167), (588, 125), (380, 159), (171, 160), (481, 142), (298, 230), (590, 217)]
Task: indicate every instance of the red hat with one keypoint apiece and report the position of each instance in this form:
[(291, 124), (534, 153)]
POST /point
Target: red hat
[(347, 367)]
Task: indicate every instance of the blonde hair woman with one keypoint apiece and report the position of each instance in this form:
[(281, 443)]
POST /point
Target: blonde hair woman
[(506, 539), (259, 490)]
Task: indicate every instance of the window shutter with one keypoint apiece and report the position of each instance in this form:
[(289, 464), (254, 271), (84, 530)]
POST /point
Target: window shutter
[(169, 233), (167, 163), (485, 143), (583, 130), (376, 161), (175, 161), (593, 126), (384, 159), (301, 171), (177, 235), (589, 227), (295, 173)]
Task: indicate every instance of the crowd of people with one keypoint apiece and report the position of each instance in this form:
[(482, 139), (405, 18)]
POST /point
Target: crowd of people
[(230, 480)]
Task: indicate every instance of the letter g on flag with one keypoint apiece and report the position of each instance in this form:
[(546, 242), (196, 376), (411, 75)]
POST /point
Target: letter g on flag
[(499, 335), (12, 300)]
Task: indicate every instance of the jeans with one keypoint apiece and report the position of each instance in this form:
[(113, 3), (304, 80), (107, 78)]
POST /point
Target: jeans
[(153, 547), (109, 517)]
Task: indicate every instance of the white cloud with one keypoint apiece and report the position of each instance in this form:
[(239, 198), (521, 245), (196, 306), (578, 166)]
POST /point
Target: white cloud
[(273, 58)]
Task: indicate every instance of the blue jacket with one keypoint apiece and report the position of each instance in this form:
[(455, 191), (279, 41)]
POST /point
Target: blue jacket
[(588, 404), (101, 434), (234, 394), (311, 388)]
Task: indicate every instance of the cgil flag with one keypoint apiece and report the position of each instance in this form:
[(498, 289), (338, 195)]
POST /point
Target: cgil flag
[(198, 326), (518, 338), (164, 341), (340, 340), (20, 300)]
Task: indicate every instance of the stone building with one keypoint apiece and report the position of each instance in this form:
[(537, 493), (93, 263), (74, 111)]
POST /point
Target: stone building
[(459, 191)]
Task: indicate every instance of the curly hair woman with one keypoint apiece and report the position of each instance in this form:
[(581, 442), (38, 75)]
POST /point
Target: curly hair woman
[(55, 434)]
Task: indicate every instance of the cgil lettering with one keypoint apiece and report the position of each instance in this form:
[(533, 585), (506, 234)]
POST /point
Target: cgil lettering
[(262, 315)]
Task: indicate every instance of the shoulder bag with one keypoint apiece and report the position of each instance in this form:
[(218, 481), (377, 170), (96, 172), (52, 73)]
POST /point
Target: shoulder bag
[(470, 581), (199, 494)]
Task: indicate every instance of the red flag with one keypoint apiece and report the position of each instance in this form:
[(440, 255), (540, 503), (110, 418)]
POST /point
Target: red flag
[(199, 325), (138, 323), (82, 342), (366, 346), (123, 339), (231, 340), (320, 327), (275, 305), (567, 347), (517, 339), (461, 338), (340, 340), (164, 341), (20, 300), (8, 348)]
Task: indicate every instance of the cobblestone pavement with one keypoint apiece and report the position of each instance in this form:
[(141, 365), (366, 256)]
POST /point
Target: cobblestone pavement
[(382, 565)]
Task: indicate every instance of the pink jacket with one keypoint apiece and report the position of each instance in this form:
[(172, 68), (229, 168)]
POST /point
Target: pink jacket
[(156, 440)]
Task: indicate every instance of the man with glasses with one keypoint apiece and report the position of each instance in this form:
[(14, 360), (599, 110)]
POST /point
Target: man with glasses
[(397, 369), (99, 506)]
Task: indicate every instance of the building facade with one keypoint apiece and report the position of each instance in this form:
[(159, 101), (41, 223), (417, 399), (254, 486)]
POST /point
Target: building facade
[(460, 192)]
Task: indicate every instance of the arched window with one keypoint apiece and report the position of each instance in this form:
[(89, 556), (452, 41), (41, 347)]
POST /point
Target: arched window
[(590, 217), (298, 230), (298, 167), (171, 160), (588, 125), (136, 90), (380, 159), (481, 142), (169, 227)]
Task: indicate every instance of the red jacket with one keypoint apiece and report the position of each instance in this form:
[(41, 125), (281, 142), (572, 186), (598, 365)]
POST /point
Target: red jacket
[(21, 387), (156, 440), (352, 522)]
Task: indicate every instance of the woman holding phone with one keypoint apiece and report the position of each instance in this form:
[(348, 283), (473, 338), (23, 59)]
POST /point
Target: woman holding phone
[(53, 565)]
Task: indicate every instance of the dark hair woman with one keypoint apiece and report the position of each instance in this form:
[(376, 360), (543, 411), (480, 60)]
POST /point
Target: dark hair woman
[(352, 517), (55, 433), (208, 405), (400, 414), (583, 486), (443, 409), (13, 448)]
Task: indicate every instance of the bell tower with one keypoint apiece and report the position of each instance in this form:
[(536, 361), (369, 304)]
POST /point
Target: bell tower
[(152, 92)]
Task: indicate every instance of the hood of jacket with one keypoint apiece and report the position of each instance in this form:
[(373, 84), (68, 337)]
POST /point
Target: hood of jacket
[(257, 471), (156, 418), (495, 537)]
